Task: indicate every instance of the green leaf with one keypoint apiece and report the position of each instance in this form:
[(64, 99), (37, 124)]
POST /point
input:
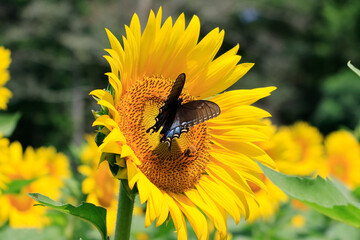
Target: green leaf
[(8, 123), (325, 196), (353, 68), (15, 186), (86, 211)]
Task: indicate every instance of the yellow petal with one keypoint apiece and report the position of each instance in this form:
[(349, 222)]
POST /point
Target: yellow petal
[(177, 217), (239, 134), (230, 177), (220, 195), (163, 215), (218, 86), (105, 120), (248, 149), (134, 176), (210, 209), (194, 216)]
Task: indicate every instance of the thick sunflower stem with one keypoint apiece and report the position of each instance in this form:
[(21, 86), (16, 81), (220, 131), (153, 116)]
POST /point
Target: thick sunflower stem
[(124, 212)]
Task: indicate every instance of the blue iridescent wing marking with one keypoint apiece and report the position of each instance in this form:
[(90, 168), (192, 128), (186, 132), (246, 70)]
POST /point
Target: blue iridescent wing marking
[(189, 115)]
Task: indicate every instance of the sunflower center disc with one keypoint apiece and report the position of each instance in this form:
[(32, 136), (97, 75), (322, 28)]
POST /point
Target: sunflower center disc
[(173, 171)]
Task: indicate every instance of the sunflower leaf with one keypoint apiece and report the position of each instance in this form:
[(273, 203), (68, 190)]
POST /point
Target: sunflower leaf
[(328, 197), (353, 68), (8, 123), (86, 211)]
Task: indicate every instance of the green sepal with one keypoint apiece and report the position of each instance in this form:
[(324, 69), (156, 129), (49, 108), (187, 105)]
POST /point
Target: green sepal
[(95, 114), (114, 168), (111, 90), (120, 161), (99, 138), (105, 157), (122, 173)]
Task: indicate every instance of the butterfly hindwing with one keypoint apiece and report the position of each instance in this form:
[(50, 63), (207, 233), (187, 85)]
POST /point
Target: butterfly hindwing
[(195, 112), (189, 115)]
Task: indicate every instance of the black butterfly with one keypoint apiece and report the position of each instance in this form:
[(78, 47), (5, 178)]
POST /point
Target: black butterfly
[(177, 118)]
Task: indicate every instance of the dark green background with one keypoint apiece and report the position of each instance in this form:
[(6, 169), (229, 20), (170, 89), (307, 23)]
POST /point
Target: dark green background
[(301, 47)]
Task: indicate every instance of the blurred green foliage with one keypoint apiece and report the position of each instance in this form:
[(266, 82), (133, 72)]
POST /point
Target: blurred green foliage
[(301, 47), (340, 96)]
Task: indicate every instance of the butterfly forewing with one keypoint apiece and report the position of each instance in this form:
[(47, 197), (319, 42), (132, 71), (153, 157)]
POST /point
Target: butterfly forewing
[(168, 109), (174, 92)]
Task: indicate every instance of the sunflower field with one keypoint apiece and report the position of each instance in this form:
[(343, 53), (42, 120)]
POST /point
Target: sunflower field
[(179, 120)]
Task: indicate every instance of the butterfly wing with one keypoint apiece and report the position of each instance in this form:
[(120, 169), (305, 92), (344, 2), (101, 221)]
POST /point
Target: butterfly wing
[(170, 103), (188, 115), (175, 90)]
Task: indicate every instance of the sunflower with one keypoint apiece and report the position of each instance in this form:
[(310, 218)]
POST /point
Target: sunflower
[(208, 168), (343, 157), (45, 169), (306, 155), (5, 61), (99, 184)]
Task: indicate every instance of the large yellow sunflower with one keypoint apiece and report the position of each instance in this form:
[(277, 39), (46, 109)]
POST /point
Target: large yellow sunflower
[(99, 184), (5, 61), (343, 157), (208, 168), (47, 170)]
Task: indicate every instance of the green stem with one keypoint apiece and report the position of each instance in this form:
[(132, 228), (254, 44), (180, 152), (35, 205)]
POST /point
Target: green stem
[(124, 213)]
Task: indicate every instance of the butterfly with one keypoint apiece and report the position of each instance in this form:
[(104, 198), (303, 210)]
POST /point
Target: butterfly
[(176, 118)]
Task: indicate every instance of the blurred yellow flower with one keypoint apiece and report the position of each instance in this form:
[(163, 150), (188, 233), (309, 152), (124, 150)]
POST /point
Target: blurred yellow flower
[(142, 236), (5, 61), (306, 147), (100, 186), (343, 157), (5, 169), (298, 221), (208, 167), (46, 169)]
